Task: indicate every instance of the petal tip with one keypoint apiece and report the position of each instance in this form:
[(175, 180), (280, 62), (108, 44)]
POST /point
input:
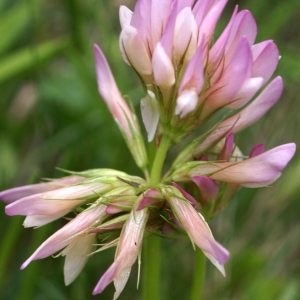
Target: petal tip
[(24, 265)]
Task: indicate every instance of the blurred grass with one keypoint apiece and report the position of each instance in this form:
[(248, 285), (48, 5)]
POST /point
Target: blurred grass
[(51, 115)]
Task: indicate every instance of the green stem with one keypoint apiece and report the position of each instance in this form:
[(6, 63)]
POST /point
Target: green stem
[(151, 268), (199, 276), (159, 160), (151, 248)]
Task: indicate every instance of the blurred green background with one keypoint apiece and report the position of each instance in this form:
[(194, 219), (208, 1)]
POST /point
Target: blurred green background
[(52, 116)]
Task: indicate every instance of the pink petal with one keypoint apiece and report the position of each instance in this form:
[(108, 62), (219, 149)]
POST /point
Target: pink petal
[(110, 93), (141, 20), (222, 93), (160, 11), (257, 150), (128, 249), (193, 76), (137, 17), (208, 188), (249, 115), (256, 109), (54, 202), (164, 73), (150, 199), (117, 206), (249, 88), (244, 26), (226, 152), (108, 277), (17, 193), (167, 39), (210, 21), (184, 4), (135, 51), (63, 237), (35, 205), (201, 8), (217, 51), (185, 194), (185, 36), (199, 231), (265, 60), (257, 171)]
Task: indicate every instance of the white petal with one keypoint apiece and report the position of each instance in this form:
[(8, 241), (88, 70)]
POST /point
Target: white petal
[(125, 15), (134, 51), (150, 114), (186, 103), (39, 220), (163, 69), (77, 255), (216, 263), (185, 35), (120, 283)]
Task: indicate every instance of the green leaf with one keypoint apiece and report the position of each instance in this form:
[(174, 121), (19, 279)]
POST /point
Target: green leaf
[(29, 57), (15, 21)]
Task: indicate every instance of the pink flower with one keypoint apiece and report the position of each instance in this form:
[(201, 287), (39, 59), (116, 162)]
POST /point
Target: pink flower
[(257, 150), (152, 198), (119, 109), (111, 95), (187, 76), (228, 147), (239, 121), (197, 229), (247, 116), (191, 85), (17, 193), (119, 206), (257, 171), (46, 207), (208, 189), (168, 33), (172, 39), (126, 254), (77, 240), (185, 194)]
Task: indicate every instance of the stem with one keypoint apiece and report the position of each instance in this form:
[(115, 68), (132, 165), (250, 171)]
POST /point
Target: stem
[(159, 160), (151, 251), (151, 152), (151, 277), (199, 275)]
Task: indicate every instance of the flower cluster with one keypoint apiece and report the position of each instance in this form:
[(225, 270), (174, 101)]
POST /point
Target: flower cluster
[(187, 78)]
